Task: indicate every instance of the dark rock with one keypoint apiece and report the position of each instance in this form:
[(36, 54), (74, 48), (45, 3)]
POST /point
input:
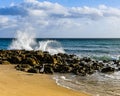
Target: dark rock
[(15, 60), (83, 63), (43, 62), (80, 72), (23, 67), (48, 69), (107, 69), (46, 52), (48, 58), (86, 59), (33, 70), (30, 61), (5, 62)]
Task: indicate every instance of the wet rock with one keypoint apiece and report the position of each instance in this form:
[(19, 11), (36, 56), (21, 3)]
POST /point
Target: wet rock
[(48, 69), (98, 65), (39, 55), (23, 67), (33, 70), (107, 69), (5, 62), (48, 58), (83, 63), (80, 72), (15, 60), (30, 61), (55, 61), (72, 55), (43, 62), (86, 59), (46, 52)]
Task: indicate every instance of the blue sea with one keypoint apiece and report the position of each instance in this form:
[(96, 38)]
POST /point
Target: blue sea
[(95, 48), (98, 84)]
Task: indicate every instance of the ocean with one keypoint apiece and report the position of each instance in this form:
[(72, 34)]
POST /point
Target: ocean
[(98, 84), (95, 48)]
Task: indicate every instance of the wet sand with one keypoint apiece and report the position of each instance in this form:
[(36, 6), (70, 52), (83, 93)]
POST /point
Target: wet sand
[(17, 83)]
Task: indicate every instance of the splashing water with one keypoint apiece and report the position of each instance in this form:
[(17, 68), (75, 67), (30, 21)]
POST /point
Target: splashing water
[(52, 46), (27, 41), (23, 41)]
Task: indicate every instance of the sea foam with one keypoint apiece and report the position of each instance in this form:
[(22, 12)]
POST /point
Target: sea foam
[(28, 42)]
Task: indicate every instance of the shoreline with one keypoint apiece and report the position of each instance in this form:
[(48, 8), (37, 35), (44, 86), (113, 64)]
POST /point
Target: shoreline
[(18, 83)]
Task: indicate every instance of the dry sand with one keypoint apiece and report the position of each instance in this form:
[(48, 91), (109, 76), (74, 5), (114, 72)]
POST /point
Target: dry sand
[(17, 83)]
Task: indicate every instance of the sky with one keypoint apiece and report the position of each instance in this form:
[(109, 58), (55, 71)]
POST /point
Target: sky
[(60, 18)]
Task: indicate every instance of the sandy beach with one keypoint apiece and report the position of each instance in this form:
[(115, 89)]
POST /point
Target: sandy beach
[(17, 83)]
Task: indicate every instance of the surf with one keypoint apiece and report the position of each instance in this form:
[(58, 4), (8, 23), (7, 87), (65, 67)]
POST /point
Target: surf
[(26, 41)]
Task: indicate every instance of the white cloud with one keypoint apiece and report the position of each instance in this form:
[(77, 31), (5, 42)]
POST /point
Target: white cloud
[(3, 19), (54, 20)]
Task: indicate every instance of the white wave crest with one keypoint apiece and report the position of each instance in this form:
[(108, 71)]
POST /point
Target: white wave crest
[(52, 46), (27, 41)]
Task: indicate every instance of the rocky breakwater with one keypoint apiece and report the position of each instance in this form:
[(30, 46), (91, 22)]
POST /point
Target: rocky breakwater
[(43, 62)]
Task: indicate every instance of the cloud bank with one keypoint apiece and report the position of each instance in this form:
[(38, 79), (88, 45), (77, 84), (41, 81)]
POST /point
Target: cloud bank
[(52, 20)]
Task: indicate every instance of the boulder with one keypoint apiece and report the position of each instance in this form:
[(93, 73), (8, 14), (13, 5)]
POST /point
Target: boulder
[(31, 61), (48, 69), (15, 60), (33, 70), (55, 61), (39, 55), (48, 58), (23, 67), (63, 69), (107, 69), (5, 62), (80, 72)]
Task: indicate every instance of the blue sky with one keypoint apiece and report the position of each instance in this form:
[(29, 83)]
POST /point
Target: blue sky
[(60, 18), (76, 3), (70, 3)]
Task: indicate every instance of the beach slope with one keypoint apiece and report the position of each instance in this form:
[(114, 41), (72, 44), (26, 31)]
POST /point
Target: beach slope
[(17, 83)]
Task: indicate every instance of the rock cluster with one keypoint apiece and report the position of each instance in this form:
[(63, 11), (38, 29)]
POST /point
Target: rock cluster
[(43, 62)]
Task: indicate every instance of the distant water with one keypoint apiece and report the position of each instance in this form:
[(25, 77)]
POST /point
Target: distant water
[(101, 49), (95, 48)]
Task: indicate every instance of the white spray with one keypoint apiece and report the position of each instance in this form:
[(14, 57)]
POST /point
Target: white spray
[(25, 40)]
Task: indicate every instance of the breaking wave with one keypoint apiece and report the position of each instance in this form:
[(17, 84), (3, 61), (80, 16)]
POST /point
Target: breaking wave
[(28, 42)]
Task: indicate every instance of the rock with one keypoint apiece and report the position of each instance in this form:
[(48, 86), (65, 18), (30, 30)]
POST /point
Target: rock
[(0, 61), (72, 55), (5, 62), (72, 60), (46, 52), (18, 67), (58, 59), (39, 67), (31, 61), (15, 60), (107, 69), (23, 67), (48, 69), (83, 63), (64, 69), (48, 58), (86, 59), (80, 72), (43, 62), (119, 69), (33, 70), (98, 65), (23, 56), (55, 61), (39, 55)]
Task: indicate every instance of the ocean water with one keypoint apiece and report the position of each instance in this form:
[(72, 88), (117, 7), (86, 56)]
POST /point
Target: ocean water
[(97, 84), (95, 48)]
